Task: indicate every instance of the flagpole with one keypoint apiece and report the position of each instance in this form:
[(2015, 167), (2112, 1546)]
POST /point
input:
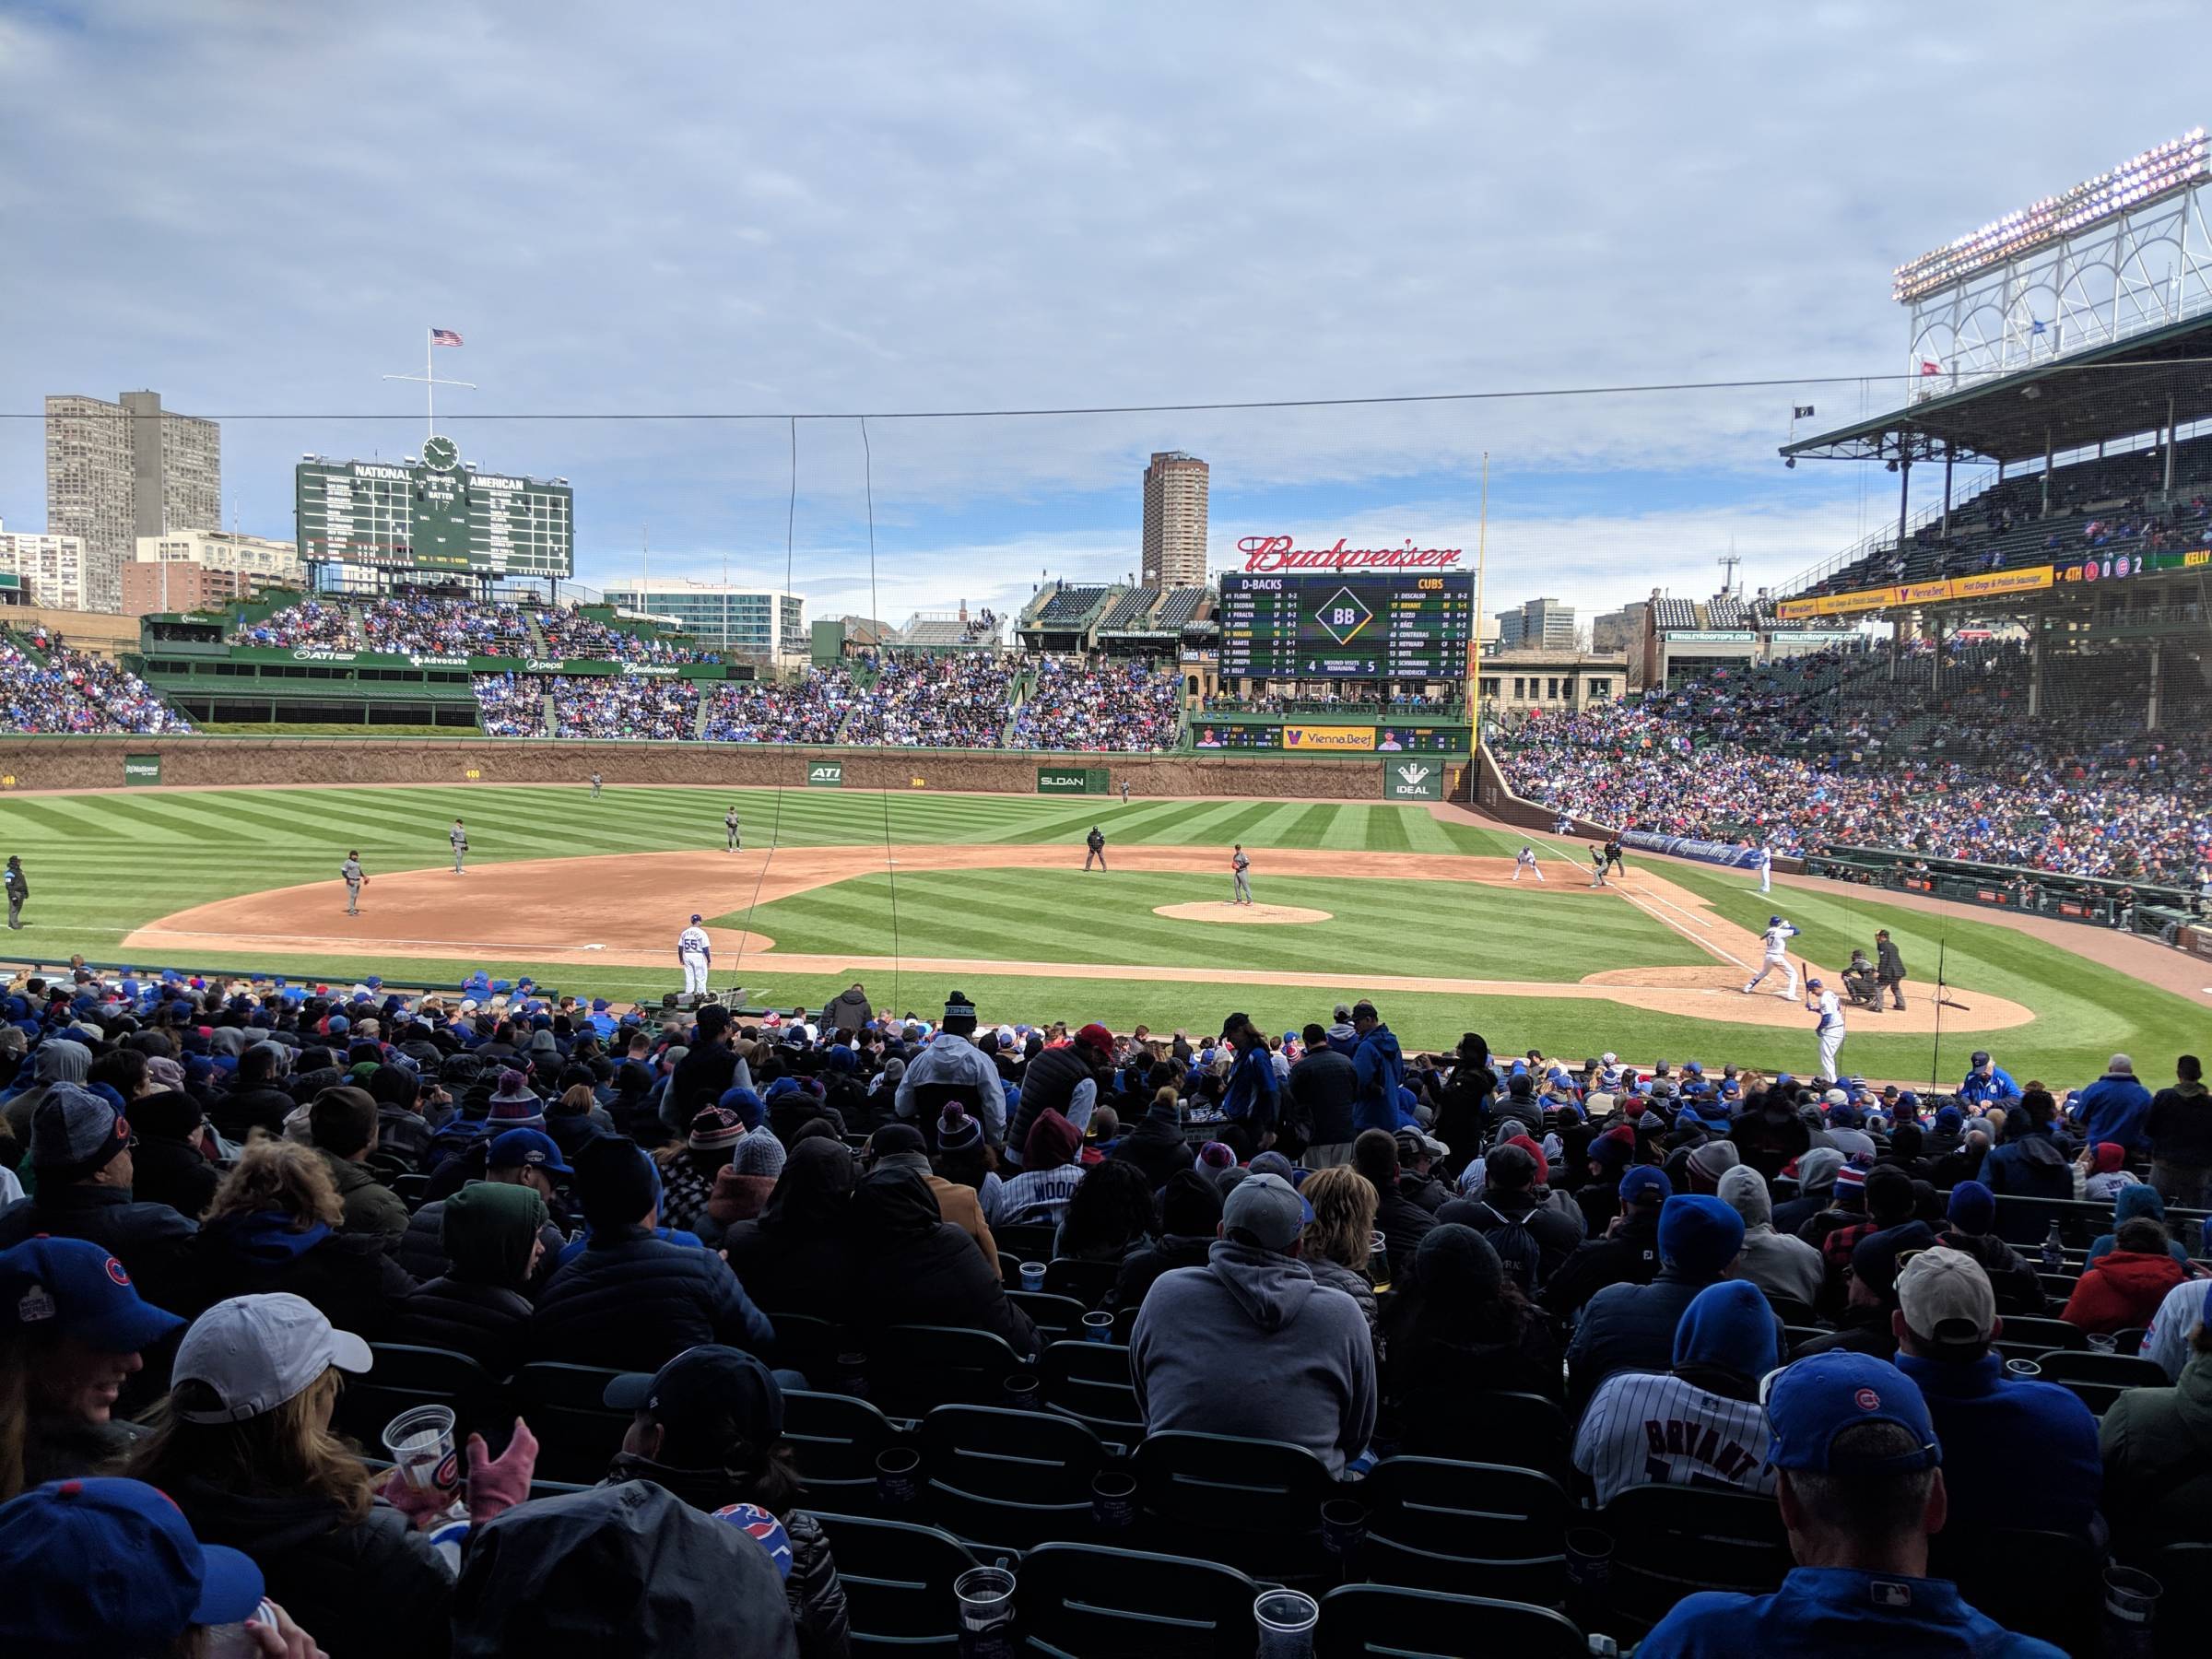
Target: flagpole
[(430, 383), (1482, 547)]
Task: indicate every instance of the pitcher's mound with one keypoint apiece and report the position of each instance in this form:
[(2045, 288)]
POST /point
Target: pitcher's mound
[(1239, 912)]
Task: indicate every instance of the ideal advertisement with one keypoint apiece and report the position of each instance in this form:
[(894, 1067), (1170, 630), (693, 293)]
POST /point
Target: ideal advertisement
[(1683, 846), (1335, 739), (1413, 781)]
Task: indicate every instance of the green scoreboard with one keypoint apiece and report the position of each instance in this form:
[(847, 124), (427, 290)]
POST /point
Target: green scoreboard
[(434, 513), (1363, 626)]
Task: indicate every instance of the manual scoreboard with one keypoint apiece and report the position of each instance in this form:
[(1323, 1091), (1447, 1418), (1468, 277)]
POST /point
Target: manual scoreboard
[(433, 514), (1365, 627)]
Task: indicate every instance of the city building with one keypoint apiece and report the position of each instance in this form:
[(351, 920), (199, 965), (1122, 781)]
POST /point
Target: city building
[(760, 622), (51, 571), (118, 471), (1515, 681), (189, 570), (1618, 630), (1539, 624), (1175, 496)]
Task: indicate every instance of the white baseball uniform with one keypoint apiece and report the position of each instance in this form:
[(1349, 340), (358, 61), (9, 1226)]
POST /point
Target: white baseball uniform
[(1777, 939), (693, 951), (1830, 1032), (1526, 860), (1646, 1428), (1766, 870)]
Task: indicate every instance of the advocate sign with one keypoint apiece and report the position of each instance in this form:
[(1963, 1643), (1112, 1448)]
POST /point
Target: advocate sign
[(1263, 553)]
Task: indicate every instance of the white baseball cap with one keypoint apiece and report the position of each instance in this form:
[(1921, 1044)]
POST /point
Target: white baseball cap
[(256, 1352), (1946, 1297)]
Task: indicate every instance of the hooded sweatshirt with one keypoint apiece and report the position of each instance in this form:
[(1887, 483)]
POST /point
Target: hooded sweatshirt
[(1777, 1263), (58, 1060), (1250, 1345), (1381, 1069), (1816, 1169), (2179, 1125), (2128, 1203)]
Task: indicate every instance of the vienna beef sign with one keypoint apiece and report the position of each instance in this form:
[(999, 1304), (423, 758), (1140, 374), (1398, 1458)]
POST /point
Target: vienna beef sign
[(1263, 553)]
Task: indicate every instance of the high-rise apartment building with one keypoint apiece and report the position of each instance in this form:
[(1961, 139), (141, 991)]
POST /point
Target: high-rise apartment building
[(54, 571), (1537, 625), (1175, 492), (185, 570), (118, 471)]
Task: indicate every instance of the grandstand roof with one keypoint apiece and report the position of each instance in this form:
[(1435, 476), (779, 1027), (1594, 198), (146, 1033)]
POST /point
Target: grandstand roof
[(2113, 392)]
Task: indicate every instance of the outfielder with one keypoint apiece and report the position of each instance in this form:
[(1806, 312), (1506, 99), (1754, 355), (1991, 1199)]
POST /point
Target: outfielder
[(1822, 1001), (594, 786), (1778, 937), (350, 873), (1094, 846), (696, 955), (1765, 866), (1124, 792), (459, 837), (731, 841), (18, 890), (1239, 890), (1526, 860)]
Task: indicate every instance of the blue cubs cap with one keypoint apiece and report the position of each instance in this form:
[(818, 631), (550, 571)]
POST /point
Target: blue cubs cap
[(1810, 1402), (515, 1147), (107, 1566), (75, 1287), (1645, 1184)]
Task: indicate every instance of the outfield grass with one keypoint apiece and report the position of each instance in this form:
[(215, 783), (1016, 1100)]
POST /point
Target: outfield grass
[(101, 865)]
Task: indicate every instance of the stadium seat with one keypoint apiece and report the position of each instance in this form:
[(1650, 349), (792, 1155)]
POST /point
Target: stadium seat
[(1090, 1381), (2086, 1365), (897, 1580), (808, 1344), (1395, 1621), (1790, 1311), (1669, 1541), (1004, 1477), (1253, 1503), (565, 1407), (2037, 1583), (913, 1369), (835, 1439), (1031, 1240), (2184, 1575), (405, 1376), (1520, 1431), (1078, 1599), (1057, 1318), (1475, 1529), (2025, 1335), (412, 1189), (1088, 1282)]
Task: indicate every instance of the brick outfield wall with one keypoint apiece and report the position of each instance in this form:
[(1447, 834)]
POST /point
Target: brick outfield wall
[(97, 763)]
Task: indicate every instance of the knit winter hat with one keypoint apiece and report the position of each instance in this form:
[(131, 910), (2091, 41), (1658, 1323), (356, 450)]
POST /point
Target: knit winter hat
[(714, 1128), (957, 1131), (2111, 1155), (1217, 1155), (1709, 1164), (1053, 1141), (758, 1152), (748, 1106), (1729, 1325), (1615, 1148), (615, 1182), (1698, 1233), (1454, 1261), (1973, 1207), (1190, 1206)]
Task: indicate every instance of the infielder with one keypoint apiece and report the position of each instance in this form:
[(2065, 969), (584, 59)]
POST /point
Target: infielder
[(696, 955), (18, 890), (1822, 1001), (1239, 890), (459, 837), (1598, 866), (1526, 860), (1778, 937), (351, 875), (731, 841), (1094, 846), (1765, 866), (594, 786)]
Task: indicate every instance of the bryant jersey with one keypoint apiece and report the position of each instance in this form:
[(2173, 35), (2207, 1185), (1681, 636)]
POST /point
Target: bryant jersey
[(693, 938), (1778, 941), (1648, 1430)]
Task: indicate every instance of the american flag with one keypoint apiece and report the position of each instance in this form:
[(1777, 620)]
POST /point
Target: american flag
[(445, 336)]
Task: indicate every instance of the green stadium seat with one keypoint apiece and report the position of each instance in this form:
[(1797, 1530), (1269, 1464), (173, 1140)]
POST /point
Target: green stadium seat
[(1088, 1282), (1007, 1477), (1057, 1318), (1497, 1426), (1077, 1599), (1090, 1381), (1254, 1504), (565, 1407), (835, 1439), (898, 1578), (2057, 1600), (1474, 1529), (405, 1376), (1395, 1621), (1669, 1541), (915, 1368)]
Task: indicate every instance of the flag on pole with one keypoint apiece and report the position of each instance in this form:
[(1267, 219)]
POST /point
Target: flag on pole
[(2036, 325), (445, 336), (1801, 411), (1927, 368)]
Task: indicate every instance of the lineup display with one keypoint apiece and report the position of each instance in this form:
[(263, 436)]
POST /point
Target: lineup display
[(433, 514), (1318, 736), (1409, 627)]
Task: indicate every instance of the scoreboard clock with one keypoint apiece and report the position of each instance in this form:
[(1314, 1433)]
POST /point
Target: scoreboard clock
[(433, 514)]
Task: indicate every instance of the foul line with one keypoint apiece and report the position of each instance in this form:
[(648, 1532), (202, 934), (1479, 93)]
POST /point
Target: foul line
[(1707, 945)]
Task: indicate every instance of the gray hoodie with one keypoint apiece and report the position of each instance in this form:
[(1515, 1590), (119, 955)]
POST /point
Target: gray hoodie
[(1251, 1345), (1776, 1263)]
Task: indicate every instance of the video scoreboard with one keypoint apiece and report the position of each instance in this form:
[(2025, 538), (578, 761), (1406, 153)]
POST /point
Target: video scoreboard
[(1409, 627), (433, 514)]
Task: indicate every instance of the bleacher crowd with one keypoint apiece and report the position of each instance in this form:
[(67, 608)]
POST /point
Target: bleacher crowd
[(72, 693), (709, 1314), (1132, 710)]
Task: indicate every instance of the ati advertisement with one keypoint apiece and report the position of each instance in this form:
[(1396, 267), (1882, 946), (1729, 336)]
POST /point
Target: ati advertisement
[(1334, 739)]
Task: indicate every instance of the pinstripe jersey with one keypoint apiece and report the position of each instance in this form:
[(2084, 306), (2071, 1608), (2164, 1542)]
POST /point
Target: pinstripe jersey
[(1656, 1430)]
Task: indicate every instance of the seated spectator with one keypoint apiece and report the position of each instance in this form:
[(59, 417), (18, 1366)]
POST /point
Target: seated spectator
[(524, 1157), (1190, 1215), (2137, 1200), (797, 1256), (1700, 1423), (1156, 1145), (630, 1298), (2029, 1161), (274, 1226), (492, 1238), (2100, 1171), (2124, 1287), (1861, 1494), (1777, 1263), (344, 1123), (1460, 1325), (920, 1269), (1628, 1253), (80, 1151), (709, 1426), (407, 1115), (1817, 1167), (244, 1445), (111, 1567), (1250, 1345), (2166, 1339), (1533, 1230), (1865, 1325), (2179, 1128), (2157, 1480), (170, 1163), (742, 1191), (1047, 1180), (1944, 1322), (1631, 1327), (72, 1332), (1398, 1217), (689, 1172), (1108, 1215), (56, 1060), (1338, 1244), (1970, 1215)]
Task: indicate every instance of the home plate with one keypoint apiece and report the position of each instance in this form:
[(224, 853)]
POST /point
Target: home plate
[(1239, 912)]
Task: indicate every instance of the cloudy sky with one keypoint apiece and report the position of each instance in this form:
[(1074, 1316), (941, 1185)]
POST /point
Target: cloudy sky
[(633, 212)]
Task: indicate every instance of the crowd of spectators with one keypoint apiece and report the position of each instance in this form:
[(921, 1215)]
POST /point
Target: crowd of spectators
[(312, 622), (925, 702), (624, 705), (811, 709), (1132, 710), (571, 633), (511, 705), (1801, 1293), (73, 692), (425, 625)]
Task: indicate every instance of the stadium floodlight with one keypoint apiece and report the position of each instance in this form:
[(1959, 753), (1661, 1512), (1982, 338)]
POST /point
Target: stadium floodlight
[(2158, 171)]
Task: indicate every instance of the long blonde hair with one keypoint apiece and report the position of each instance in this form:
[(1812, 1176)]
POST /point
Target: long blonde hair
[(1343, 1227), (278, 1175), (281, 1453)]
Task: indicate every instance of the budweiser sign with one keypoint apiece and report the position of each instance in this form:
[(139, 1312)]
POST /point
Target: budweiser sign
[(1276, 553)]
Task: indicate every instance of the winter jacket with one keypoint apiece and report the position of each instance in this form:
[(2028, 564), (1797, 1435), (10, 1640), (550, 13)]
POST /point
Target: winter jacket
[(241, 1110), (347, 1275), (1253, 1095), (920, 1268), (2113, 1108), (404, 1132), (59, 1448), (2179, 1127), (957, 1203), (2122, 1289), (1630, 1328), (1505, 1219), (2017, 1288), (1156, 1145), (488, 1322), (1628, 1256), (795, 1258), (2148, 1435), (1142, 1268), (1775, 1261), (1335, 1276), (371, 1207), (1380, 1069), (848, 1011), (1051, 1083), (422, 1246), (1250, 1345), (1323, 1090), (153, 1242), (1424, 1372), (167, 1167), (1992, 1090), (1403, 1224), (2012, 1449), (635, 1301), (365, 1590), (2031, 1163)]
